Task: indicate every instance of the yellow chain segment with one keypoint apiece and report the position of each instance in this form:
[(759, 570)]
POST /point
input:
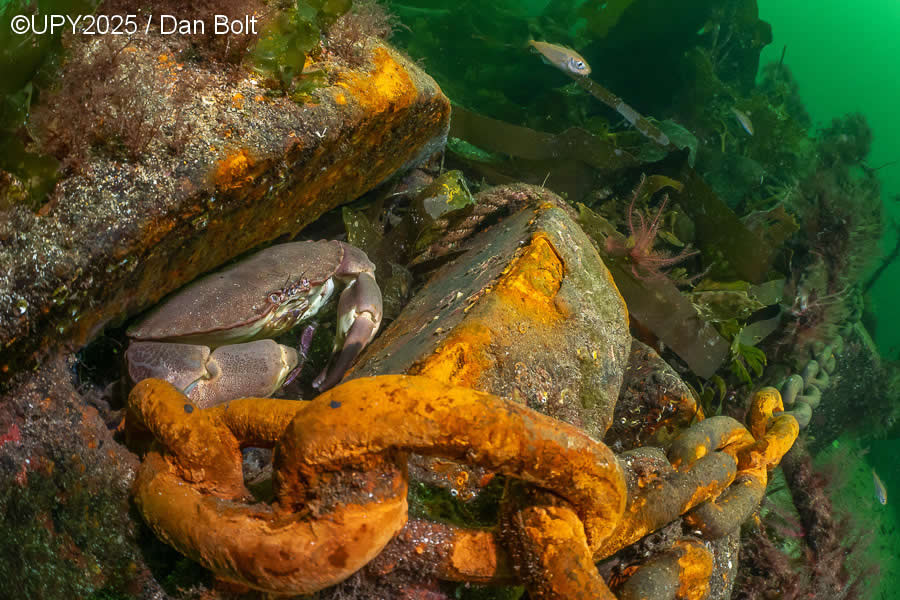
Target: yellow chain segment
[(190, 491), (341, 483)]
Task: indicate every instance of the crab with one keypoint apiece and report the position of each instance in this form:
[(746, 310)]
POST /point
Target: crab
[(211, 339)]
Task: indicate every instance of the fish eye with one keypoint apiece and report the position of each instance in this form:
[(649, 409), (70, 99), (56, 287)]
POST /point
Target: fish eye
[(579, 64), (275, 298)]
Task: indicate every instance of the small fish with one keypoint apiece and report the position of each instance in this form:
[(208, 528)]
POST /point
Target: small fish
[(880, 491), (562, 57), (744, 120)]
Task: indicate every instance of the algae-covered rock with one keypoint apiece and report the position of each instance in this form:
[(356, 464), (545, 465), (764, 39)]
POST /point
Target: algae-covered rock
[(65, 525), (654, 404), (529, 312), (118, 235)]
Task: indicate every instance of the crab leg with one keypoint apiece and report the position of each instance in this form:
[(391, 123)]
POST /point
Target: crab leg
[(303, 352), (359, 315)]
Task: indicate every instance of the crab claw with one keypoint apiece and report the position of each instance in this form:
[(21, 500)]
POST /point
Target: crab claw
[(359, 316), (210, 378)]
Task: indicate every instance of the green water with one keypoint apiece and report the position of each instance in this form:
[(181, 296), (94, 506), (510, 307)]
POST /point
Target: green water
[(856, 70)]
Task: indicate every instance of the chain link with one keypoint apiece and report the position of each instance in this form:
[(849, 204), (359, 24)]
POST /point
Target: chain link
[(341, 482)]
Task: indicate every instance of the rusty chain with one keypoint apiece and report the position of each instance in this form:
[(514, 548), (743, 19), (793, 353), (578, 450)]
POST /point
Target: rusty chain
[(802, 392), (341, 483)]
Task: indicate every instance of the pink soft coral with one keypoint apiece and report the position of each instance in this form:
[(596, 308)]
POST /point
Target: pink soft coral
[(646, 263)]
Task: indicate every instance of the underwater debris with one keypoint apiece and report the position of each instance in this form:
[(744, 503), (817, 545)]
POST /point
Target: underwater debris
[(517, 287), (565, 460), (553, 171), (592, 504)]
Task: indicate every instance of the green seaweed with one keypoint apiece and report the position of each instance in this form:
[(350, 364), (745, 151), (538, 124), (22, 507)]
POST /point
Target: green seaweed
[(440, 504), (711, 396), (289, 38), (471, 152), (27, 62), (746, 361)]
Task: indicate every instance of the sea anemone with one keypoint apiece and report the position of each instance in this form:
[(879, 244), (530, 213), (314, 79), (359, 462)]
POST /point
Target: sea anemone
[(647, 264)]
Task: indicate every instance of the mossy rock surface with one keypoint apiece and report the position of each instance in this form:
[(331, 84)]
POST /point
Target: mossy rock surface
[(65, 514), (530, 312)]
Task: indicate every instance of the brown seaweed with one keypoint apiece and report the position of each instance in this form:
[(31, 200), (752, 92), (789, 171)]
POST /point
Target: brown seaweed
[(529, 144), (659, 306)]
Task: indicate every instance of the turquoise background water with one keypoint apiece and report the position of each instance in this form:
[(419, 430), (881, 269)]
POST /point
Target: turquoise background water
[(845, 58)]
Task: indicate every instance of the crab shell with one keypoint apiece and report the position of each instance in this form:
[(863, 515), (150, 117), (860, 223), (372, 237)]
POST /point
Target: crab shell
[(236, 304)]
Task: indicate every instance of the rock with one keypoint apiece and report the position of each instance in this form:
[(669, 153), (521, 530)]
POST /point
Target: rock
[(530, 313), (117, 237), (654, 404), (65, 525)]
